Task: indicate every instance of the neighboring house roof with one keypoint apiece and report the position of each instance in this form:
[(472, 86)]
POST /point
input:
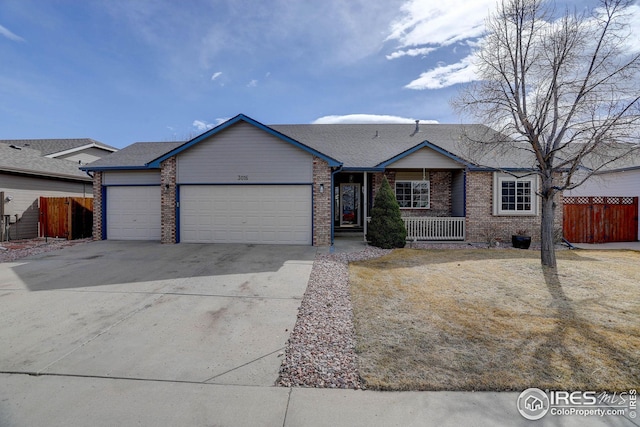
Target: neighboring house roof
[(135, 156), (58, 147), (352, 146), (26, 161)]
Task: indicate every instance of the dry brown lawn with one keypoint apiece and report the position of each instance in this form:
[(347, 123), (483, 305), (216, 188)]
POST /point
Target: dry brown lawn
[(487, 319)]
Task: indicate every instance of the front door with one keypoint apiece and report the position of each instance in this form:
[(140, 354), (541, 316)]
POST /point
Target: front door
[(349, 205)]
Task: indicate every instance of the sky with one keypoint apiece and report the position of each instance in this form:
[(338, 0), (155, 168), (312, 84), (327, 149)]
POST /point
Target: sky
[(123, 71)]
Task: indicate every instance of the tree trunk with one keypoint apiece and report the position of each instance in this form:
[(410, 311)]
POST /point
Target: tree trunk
[(547, 232)]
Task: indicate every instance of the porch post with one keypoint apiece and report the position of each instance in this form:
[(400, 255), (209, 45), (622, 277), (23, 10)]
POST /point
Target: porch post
[(366, 204)]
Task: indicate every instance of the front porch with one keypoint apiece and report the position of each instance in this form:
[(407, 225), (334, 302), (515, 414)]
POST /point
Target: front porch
[(432, 202)]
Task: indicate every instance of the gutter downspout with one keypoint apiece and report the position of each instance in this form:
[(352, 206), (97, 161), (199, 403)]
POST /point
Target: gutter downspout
[(333, 198), (366, 205)]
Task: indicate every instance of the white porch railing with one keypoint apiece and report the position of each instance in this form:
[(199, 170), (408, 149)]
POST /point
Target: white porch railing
[(434, 228)]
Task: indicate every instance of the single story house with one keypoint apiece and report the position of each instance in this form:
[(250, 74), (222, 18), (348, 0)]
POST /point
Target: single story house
[(25, 176), (246, 182)]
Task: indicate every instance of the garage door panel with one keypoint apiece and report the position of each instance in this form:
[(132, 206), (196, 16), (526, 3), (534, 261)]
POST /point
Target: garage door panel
[(133, 213), (246, 214)]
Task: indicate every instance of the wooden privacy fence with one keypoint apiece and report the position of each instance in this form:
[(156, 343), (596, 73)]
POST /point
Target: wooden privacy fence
[(600, 219), (67, 217)]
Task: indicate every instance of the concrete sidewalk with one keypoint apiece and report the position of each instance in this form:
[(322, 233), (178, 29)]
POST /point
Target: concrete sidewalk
[(88, 401), (634, 246)]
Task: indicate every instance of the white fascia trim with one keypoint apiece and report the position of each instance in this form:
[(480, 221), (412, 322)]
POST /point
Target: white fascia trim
[(73, 150)]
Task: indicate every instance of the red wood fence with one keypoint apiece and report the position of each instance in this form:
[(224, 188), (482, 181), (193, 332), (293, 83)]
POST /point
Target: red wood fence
[(67, 217), (600, 219)]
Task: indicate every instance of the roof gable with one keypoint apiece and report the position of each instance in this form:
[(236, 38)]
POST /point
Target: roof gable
[(242, 118), (427, 154)]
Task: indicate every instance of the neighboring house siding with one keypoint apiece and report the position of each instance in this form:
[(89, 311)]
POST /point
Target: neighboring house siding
[(257, 157), (626, 184), (425, 158), (26, 192), (143, 177), (85, 156)]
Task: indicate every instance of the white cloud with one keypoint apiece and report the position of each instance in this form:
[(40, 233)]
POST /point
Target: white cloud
[(440, 23), (10, 35), (202, 126), (445, 75), (426, 26), (252, 83), (366, 118), (423, 51), (216, 75)]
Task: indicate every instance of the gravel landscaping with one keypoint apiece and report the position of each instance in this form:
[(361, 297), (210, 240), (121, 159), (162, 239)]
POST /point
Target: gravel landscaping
[(16, 249), (321, 349)]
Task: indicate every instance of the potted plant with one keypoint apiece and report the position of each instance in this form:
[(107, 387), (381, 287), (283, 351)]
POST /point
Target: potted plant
[(521, 239)]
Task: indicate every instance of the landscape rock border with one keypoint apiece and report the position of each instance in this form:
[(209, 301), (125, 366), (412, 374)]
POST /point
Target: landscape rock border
[(321, 349)]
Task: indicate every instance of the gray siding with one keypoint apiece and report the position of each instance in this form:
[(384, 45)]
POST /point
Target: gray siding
[(425, 158), (244, 154), (457, 194), (144, 177), (26, 192)]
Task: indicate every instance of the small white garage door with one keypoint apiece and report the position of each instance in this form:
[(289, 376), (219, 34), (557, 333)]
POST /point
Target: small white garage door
[(272, 214), (133, 213)]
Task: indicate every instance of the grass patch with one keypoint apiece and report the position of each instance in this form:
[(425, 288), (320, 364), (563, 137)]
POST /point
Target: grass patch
[(496, 320)]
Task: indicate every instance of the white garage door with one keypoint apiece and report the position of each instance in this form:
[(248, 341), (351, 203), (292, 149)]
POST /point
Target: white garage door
[(245, 214), (133, 213)]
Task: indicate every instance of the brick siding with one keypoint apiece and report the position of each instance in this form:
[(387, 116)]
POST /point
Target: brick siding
[(97, 205), (321, 203), (168, 201), (481, 224), (440, 192)]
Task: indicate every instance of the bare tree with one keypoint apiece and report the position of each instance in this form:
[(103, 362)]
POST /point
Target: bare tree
[(565, 88)]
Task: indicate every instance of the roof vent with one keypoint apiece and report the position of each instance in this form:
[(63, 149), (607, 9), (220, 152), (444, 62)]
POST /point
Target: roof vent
[(417, 129)]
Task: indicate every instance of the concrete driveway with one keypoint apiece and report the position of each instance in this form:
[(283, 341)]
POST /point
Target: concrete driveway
[(207, 314)]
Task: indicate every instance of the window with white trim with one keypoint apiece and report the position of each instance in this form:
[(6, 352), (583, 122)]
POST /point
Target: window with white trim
[(515, 195), (412, 194)]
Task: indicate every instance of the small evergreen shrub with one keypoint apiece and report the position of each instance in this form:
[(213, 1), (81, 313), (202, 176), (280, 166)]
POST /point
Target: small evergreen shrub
[(386, 229)]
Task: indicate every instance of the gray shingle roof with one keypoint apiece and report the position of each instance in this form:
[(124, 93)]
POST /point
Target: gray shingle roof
[(52, 146), (31, 162), (134, 156), (362, 145), (368, 145)]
